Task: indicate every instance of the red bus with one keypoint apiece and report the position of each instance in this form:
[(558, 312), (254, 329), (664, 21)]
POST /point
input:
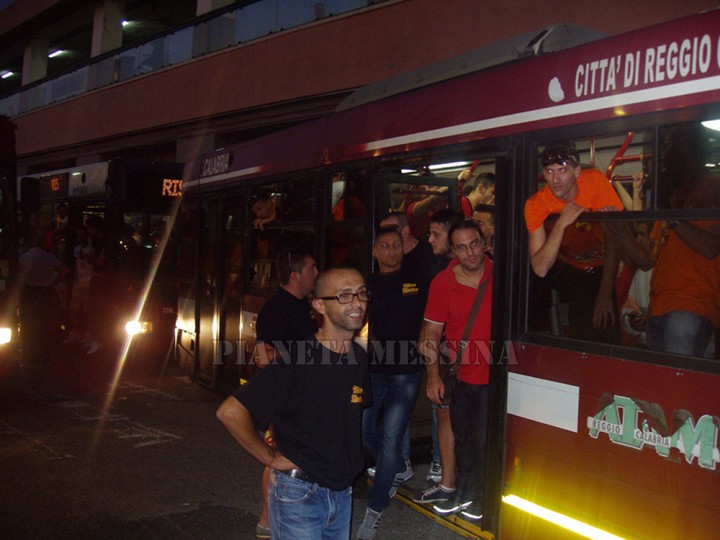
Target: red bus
[(606, 435)]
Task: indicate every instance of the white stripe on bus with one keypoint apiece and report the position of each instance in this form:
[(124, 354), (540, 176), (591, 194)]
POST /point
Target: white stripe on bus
[(607, 102), (221, 177)]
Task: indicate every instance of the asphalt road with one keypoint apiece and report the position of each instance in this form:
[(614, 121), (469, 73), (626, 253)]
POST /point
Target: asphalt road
[(84, 457)]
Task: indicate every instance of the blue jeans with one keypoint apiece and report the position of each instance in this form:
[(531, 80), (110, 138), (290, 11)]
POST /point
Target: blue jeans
[(299, 510), (435, 449), (384, 426), (681, 332), (468, 416)]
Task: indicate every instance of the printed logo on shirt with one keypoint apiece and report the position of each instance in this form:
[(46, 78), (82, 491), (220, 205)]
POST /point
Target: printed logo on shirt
[(357, 394), (583, 226), (410, 289)]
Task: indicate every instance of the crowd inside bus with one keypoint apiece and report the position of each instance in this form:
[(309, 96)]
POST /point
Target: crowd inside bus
[(623, 280)]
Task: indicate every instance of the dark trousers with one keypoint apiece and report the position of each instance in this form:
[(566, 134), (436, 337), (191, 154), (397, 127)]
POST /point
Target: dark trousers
[(468, 416), (40, 315), (579, 288)]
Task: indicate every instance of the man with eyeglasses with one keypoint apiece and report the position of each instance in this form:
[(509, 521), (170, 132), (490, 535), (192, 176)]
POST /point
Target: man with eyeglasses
[(396, 369), (284, 319), (314, 396), (575, 256), (449, 306)]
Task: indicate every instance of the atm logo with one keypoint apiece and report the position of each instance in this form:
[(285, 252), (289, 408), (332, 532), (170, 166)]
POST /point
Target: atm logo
[(636, 423)]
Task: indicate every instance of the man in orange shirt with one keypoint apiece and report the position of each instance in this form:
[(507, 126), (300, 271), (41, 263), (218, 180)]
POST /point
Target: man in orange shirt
[(576, 256), (684, 309)]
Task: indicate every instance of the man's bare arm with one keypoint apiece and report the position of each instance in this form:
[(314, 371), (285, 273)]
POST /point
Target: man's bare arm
[(704, 241), (423, 208), (429, 348), (544, 248), (264, 354), (238, 421)]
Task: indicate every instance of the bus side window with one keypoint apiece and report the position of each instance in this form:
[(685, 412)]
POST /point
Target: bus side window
[(298, 203), (281, 216), (348, 203), (263, 205), (346, 198), (688, 167), (612, 173)]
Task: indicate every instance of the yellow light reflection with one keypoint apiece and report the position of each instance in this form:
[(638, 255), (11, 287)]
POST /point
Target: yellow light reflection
[(561, 520), (122, 357), (5, 336)]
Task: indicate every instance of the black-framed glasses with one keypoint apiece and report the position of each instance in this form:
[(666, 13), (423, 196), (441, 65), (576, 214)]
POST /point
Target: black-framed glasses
[(347, 297)]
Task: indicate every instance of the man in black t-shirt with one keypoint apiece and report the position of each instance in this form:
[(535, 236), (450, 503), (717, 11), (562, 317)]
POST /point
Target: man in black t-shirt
[(287, 315), (314, 397), (418, 255), (286, 318), (396, 368)]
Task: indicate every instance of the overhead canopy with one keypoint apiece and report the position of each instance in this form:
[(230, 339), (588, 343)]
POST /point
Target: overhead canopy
[(552, 38)]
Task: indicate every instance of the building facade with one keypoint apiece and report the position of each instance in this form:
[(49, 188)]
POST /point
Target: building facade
[(89, 80)]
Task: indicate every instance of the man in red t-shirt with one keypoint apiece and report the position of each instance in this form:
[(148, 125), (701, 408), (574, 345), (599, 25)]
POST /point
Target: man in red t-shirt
[(576, 256), (477, 190), (452, 294)]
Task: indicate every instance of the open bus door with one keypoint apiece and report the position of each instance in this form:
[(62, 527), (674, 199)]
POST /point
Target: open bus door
[(417, 191), (404, 189), (234, 271)]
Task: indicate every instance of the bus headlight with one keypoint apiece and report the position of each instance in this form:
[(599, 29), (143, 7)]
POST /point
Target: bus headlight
[(5, 335), (138, 327)]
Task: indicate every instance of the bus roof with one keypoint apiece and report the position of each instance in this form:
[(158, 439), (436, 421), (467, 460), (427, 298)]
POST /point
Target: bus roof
[(549, 39)]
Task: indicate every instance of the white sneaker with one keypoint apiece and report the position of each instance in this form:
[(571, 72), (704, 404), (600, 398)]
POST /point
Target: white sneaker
[(434, 473), (95, 346), (402, 476), (369, 526), (407, 474)]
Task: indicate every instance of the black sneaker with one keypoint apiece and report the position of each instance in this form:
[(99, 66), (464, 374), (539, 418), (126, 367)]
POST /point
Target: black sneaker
[(437, 493)]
